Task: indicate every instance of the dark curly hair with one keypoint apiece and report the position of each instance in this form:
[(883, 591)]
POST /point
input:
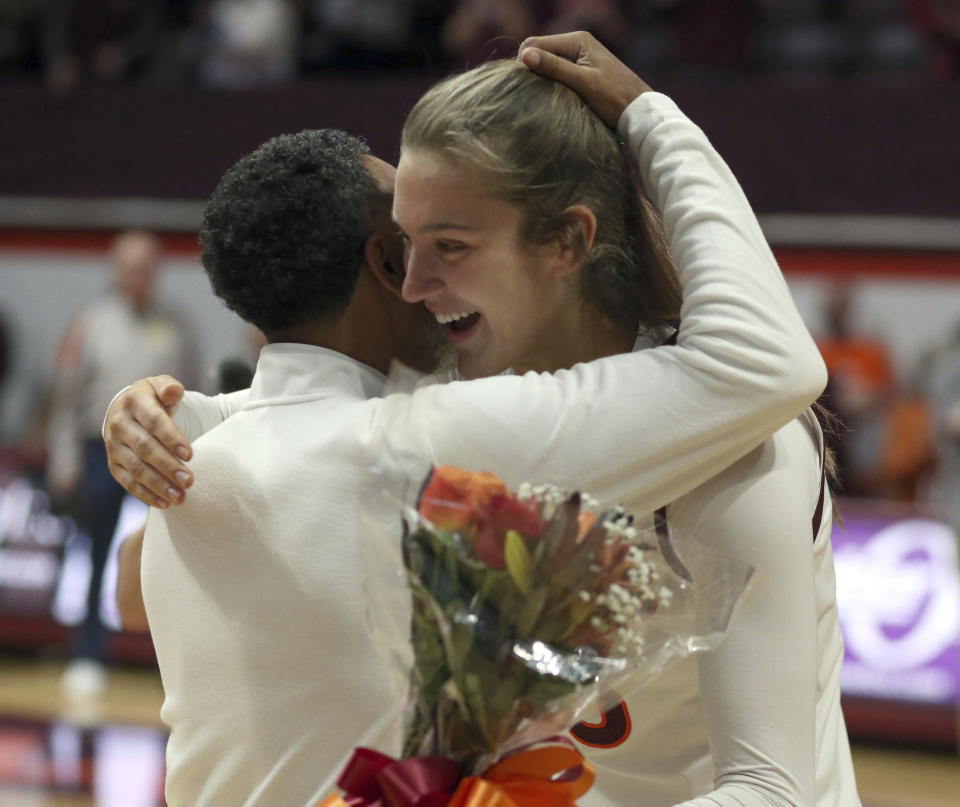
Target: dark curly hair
[(284, 230)]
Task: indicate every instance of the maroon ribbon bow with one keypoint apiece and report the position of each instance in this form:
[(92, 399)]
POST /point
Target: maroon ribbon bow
[(372, 779)]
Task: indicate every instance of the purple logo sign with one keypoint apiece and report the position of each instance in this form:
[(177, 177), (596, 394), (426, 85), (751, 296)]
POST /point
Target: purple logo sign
[(898, 591)]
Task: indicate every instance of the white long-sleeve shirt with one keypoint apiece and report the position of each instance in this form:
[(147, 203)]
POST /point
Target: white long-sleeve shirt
[(757, 721), (252, 693)]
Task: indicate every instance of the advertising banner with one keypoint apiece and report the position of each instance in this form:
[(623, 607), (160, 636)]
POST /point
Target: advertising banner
[(898, 590)]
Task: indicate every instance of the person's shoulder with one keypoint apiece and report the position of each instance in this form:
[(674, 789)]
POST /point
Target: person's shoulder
[(227, 470)]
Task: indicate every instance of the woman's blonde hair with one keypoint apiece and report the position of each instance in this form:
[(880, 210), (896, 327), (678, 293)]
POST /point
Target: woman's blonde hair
[(534, 143)]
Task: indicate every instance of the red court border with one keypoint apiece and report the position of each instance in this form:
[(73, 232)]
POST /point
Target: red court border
[(795, 261)]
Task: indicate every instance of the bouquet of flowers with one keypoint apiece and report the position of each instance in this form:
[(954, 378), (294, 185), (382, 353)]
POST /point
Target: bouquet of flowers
[(524, 609)]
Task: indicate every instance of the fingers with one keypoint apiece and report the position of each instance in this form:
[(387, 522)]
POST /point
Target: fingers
[(578, 60), (166, 445), (169, 391), (551, 65), (143, 493), (569, 46), (151, 402), (141, 476), (142, 443)]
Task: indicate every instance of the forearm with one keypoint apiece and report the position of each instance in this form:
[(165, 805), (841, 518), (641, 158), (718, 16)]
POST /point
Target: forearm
[(733, 290), (133, 615)]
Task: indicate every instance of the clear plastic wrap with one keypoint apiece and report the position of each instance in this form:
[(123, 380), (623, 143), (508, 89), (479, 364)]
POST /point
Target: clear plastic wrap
[(506, 615)]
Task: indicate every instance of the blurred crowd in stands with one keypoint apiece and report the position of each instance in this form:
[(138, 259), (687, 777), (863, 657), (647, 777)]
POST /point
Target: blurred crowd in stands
[(898, 438), (246, 43)]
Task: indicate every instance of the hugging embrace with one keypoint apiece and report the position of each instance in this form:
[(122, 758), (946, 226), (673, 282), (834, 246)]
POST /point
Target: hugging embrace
[(649, 353)]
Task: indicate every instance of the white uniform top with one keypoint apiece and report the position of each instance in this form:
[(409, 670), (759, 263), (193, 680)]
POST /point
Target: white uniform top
[(252, 587), (756, 722)]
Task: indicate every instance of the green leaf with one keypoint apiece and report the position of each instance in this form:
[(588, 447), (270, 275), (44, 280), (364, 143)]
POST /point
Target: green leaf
[(547, 689), (530, 611), (459, 635), (518, 561)]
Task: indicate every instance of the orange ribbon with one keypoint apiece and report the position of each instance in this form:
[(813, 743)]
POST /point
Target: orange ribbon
[(552, 776), (555, 776)]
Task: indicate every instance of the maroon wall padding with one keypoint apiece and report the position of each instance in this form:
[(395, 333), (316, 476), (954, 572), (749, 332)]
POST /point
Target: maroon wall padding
[(814, 147)]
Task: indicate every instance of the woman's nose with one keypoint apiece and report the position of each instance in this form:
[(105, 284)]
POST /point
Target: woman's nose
[(421, 281)]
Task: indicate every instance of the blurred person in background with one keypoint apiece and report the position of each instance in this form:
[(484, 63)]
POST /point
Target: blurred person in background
[(109, 344), (24, 398), (6, 361), (940, 383), (246, 43), (478, 30), (364, 33), (22, 25), (481, 29), (940, 19), (861, 386), (104, 41)]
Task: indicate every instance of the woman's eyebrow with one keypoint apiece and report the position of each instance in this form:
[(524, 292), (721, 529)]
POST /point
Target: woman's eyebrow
[(438, 225), (447, 225)]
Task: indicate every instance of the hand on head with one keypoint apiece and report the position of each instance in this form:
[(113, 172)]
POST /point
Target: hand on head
[(578, 60), (145, 450)]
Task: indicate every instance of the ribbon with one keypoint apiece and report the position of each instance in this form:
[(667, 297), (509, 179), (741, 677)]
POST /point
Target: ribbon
[(372, 779), (541, 777), (551, 776)]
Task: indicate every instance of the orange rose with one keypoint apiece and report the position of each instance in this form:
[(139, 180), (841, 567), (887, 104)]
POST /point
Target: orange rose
[(453, 496)]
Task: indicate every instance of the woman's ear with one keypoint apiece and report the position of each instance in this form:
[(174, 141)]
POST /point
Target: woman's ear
[(579, 231), (385, 260)]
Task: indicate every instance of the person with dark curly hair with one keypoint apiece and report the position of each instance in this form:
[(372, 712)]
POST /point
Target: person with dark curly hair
[(253, 585), (298, 232)]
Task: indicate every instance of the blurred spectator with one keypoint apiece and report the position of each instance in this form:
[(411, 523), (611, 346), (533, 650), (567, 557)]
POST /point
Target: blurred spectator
[(24, 399), (709, 37), (940, 381), (9, 418), (247, 43), (364, 33), (6, 361), (907, 455), (479, 30), (109, 344), (883, 41), (800, 37), (861, 385), (22, 26), (608, 20), (941, 20), (236, 372), (104, 41)]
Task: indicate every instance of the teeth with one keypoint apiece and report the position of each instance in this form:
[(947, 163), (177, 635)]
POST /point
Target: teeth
[(445, 319)]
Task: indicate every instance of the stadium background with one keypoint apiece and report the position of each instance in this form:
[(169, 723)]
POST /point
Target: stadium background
[(840, 119)]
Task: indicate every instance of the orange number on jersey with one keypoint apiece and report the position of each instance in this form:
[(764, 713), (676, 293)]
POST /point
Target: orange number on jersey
[(612, 730)]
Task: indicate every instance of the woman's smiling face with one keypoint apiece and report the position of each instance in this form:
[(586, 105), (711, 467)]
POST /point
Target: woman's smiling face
[(497, 298)]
